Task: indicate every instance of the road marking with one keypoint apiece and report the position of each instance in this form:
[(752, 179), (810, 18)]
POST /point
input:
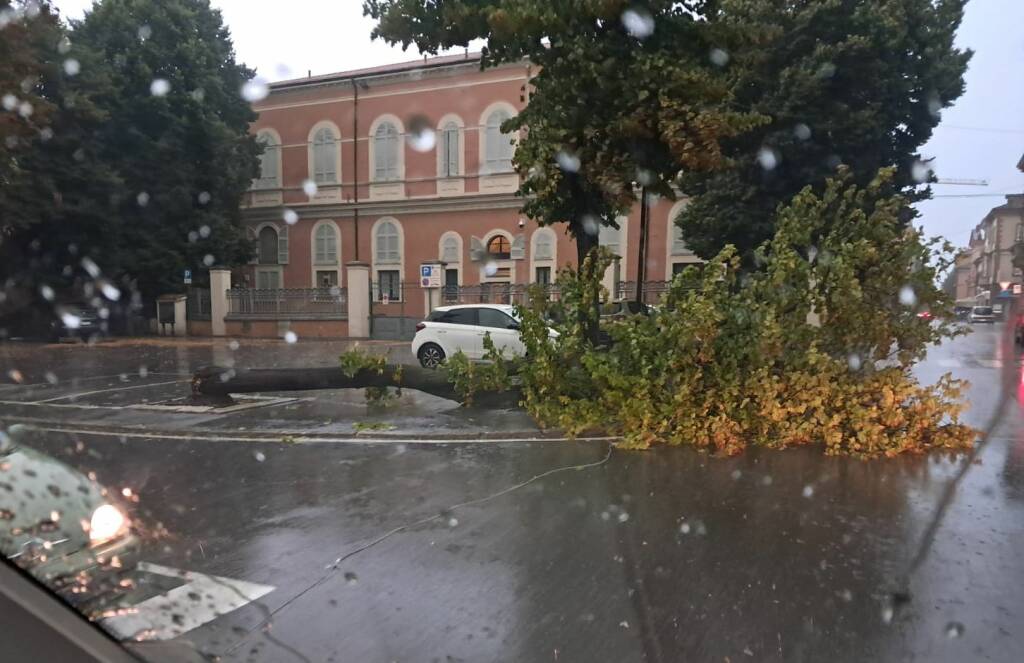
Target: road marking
[(105, 391), (296, 438), (178, 611), (950, 363)]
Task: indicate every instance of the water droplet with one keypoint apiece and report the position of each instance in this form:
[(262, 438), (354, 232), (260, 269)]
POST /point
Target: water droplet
[(684, 528), (208, 260), (954, 630), (10, 102), (766, 480), (193, 236), (197, 95), (16, 375), (51, 377), (255, 90), (233, 345), (70, 320), (638, 23), (907, 296), (605, 515), (736, 474), (142, 199), (64, 45), (47, 292), (768, 158), (812, 254), (591, 226), (887, 614), (159, 87), (204, 231), (204, 197), (290, 337), (144, 32), (802, 131), (290, 216), (309, 187), (110, 291), (718, 57), (568, 162), (259, 456), (808, 491), (826, 70), (351, 578), (854, 362), (143, 372), (421, 138), (45, 134), (453, 522), (491, 268), (72, 67), (920, 172), (25, 109), (623, 517)]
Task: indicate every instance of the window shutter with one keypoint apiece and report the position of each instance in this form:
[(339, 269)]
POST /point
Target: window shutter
[(476, 249), (282, 245), (518, 251), (542, 250)]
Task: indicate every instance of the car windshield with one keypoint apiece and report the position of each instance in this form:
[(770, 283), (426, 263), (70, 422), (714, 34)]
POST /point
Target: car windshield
[(512, 330)]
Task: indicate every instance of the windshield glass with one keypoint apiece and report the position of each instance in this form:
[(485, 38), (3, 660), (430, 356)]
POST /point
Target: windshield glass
[(514, 330)]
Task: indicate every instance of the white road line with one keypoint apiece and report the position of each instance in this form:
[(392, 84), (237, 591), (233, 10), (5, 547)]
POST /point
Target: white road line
[(200, 600), (298, 438), (105, 391), (67, 381), (950, 363)]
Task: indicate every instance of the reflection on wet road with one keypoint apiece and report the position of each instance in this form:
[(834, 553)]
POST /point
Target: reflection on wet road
[(663, 555)]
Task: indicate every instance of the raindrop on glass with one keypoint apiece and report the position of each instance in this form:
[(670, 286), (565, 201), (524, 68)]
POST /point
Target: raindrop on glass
[(72, 67), (309, 187), (290, 337), (812, 254), (255, 90), (768, 158), (453, 522), (159, 87), (208, 260), (70, 320), (204, 197), (110, 291), (16, 376), (854, 362), (623, 517), (591, 225), (45, 134), (736, 474), (638, 23), (808, 491), (142, 199), (826, 70), (718, 57), (954, 630), (25, 109), (204, 231), (193, 236), (143, 372), (907, 296), (51, 377), (802, 131), (351, 578), (491, 268), (197, 95), (64, 45), (10, 102), (233, 345), (920, 172), (767, 480), (91, 267), (684, 528), (259, 456), (422, 138), (47, 292), (144, 32), (568, 162), (290, 216)]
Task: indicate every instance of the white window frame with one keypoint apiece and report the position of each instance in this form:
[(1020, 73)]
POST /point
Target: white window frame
[(335, 152), (673, 258), (460, 136), (320, 265), (388, 266), (259, 182), (484, 167), (536, 261), (283, 243), (501, 262), (400, 149)]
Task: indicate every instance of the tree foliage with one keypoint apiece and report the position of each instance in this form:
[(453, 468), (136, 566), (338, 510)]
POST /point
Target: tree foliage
[(107, 174), (816, 347), (855, 83)]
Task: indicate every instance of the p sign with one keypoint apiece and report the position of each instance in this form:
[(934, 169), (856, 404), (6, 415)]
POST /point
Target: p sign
[(430, 275), (188, 277)]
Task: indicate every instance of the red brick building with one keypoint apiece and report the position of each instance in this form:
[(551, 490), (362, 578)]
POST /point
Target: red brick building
[(403, 164)]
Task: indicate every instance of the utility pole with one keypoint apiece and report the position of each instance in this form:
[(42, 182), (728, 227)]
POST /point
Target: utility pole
[(641, 263)]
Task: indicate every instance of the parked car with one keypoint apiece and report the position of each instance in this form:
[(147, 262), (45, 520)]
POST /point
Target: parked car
[(63, 529), (450, 329), (982, 314), (962, 312), (70, 320)]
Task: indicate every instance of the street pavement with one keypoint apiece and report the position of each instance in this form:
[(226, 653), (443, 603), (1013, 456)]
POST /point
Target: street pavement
[(426, 542)]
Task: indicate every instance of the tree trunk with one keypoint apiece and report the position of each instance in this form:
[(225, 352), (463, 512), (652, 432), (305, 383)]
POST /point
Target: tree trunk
[(585, 243), (217, 383)]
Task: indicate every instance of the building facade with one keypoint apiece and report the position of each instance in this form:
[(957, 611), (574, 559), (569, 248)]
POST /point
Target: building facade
[(402, 165), (985, 270)]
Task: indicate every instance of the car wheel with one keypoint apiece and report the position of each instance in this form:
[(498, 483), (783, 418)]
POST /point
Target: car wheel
[(430, 355)]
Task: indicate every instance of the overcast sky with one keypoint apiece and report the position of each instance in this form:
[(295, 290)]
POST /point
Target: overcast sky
[(981, 137)]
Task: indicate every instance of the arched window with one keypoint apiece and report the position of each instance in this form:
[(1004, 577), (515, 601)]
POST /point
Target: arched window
[(543, 246), (325, 156), (499, 148), (450, 250), (388, 251), (326, 245), (610, 237), (268, 246), (678, 245), (450, 150), (385, 153), (499, 247), (268, 178)]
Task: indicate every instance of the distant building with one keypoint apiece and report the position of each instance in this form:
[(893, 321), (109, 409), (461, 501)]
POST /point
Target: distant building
[(403, 164), (985, 270)]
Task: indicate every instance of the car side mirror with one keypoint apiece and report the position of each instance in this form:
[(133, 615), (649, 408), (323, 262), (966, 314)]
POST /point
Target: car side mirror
[(512, 325)]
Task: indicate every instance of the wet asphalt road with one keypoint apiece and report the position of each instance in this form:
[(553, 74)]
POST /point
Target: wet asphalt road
[(555, 551)]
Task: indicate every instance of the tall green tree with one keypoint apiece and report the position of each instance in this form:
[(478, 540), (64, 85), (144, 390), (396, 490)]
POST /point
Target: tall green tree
[(859, 83), (178, 134)]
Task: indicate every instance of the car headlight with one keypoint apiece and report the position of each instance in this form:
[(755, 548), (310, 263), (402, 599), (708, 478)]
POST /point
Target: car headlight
[(107, 523)]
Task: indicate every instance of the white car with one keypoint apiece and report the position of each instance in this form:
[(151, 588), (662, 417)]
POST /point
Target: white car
[(449, 329)]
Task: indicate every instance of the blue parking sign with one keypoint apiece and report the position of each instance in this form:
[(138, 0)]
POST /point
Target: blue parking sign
[(425, 271)]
